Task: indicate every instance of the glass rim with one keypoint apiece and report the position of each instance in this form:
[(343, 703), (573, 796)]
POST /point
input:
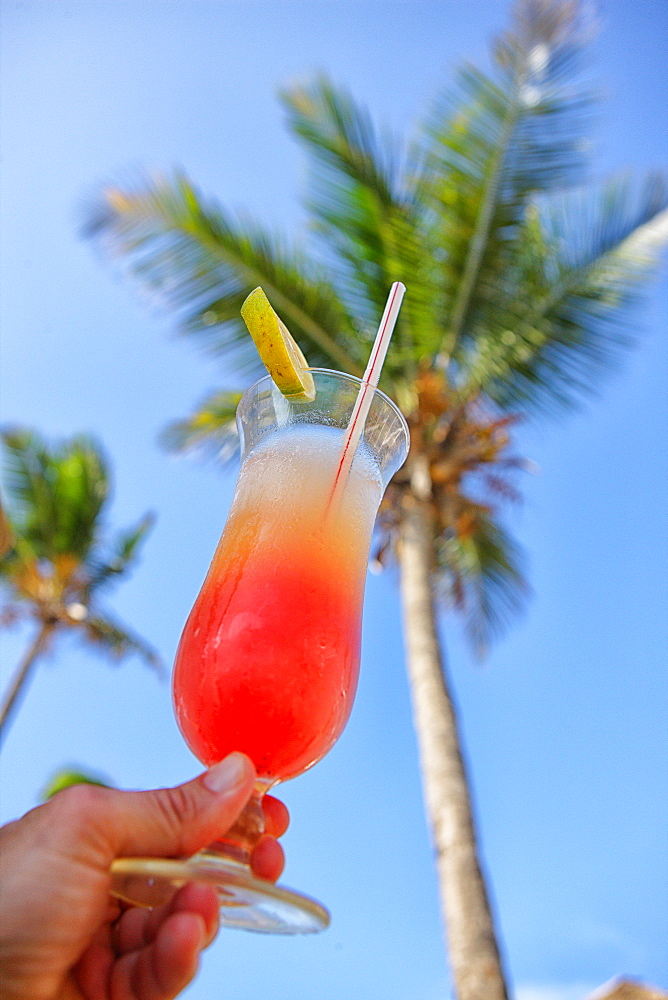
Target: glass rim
[(354, 379)]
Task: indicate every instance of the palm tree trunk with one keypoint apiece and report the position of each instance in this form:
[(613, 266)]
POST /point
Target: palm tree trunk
[(473, 951), (23, 671)]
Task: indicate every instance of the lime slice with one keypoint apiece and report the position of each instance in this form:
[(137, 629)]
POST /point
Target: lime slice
[(277, 347)]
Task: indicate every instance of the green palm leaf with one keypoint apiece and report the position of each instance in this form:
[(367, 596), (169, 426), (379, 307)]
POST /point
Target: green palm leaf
[(560, 319), (210, 431), (480, 575), (491, 143), (117, 641), (67, 777), (365, 217), (187, 254), (124, 551), (57, 495)]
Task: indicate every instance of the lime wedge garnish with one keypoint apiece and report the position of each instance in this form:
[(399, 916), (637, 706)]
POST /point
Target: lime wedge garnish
[(277, 347)]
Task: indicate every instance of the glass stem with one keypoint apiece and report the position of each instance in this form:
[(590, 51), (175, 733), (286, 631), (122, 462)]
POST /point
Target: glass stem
[(237, 844)]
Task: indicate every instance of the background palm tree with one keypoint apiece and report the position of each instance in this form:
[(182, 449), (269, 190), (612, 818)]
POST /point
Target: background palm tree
[(57, 562), (519, 284)]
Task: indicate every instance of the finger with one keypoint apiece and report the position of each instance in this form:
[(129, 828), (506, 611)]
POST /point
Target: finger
[(201, 899), (132, 930), (268, 859), (276, 816), (138, 927), (160, 971), (93, 969), (170, 822)]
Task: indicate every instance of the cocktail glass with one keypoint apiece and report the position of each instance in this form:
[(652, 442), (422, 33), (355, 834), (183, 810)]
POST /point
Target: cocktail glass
[(269, 657)]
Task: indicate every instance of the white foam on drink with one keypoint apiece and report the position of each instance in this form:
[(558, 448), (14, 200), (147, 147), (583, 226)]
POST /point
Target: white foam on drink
[(291, 472)]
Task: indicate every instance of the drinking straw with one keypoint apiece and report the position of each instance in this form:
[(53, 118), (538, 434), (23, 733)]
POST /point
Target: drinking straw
[(369, 382)]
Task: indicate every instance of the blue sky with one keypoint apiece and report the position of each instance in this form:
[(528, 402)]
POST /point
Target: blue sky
[(565, 723)]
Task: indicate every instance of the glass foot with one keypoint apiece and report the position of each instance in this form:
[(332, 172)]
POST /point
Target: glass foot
[(245, 901)]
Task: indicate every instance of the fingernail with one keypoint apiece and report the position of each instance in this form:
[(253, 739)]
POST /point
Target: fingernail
[(227, 776)]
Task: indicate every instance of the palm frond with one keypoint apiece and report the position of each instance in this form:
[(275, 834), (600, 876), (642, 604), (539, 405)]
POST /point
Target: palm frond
[(342, 136), (80, 490), (117, 641), (123, 552), (364, 215), (494, 141), (210, 431), (479, 575), (561, 318), (66, 777), (26, 482), (12, 610), (56, 494), (6, 532), (187, 254)]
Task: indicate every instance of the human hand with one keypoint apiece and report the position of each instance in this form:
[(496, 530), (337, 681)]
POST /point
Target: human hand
[(62, 937)]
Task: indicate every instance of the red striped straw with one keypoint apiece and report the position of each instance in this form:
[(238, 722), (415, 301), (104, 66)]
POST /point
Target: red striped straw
[(369, 382)]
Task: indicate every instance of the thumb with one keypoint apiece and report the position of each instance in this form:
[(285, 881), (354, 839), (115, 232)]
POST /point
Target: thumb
[(176, 822)]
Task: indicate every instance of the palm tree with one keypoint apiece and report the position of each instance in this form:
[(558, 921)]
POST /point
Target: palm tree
[(56, 561), (519, 283)]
